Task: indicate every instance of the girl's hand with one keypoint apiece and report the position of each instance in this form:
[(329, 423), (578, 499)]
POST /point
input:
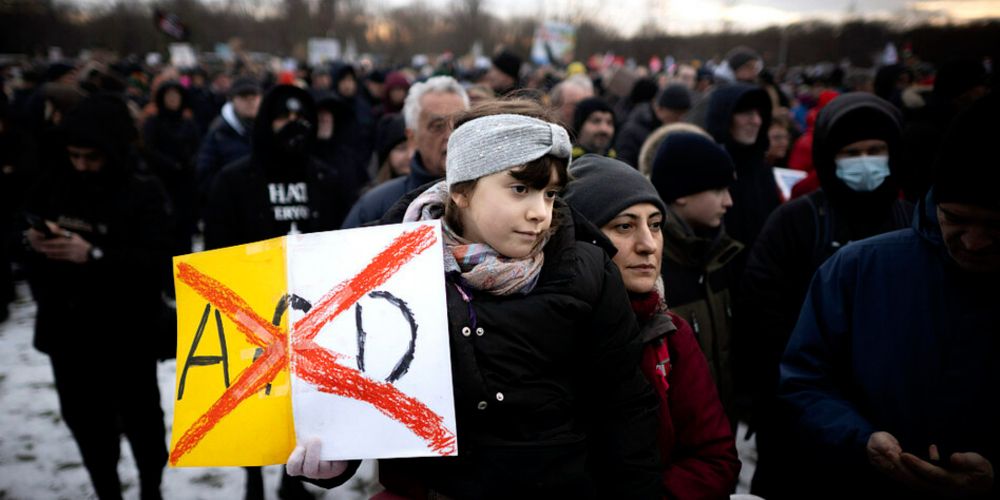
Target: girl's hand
[(304, 461)]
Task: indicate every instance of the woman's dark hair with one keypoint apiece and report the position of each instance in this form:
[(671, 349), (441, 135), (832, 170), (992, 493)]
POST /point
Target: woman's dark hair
[(536, 173)]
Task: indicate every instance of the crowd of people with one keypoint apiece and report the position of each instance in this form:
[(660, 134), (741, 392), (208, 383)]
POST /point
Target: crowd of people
[(616, 238)]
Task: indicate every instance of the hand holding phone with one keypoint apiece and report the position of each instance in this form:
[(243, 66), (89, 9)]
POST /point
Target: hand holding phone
[(39, 224)]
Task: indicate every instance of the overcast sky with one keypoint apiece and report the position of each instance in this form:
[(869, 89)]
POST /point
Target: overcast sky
[(699, 15), (686, 16)]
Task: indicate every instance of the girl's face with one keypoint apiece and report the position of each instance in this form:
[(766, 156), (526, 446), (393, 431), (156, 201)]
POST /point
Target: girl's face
[(507, 214), (637, 236)]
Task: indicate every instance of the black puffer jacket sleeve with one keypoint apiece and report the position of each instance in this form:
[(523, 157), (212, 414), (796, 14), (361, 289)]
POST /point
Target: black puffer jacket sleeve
[(626, 460)]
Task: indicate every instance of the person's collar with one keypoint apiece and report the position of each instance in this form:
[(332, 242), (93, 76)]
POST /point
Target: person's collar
[(418, 173)]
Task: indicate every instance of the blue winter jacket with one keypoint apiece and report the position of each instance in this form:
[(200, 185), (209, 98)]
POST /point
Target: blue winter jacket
[(894, 337), (375, 203)]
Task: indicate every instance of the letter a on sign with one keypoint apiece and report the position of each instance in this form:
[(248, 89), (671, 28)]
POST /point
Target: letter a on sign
[(341, 335)]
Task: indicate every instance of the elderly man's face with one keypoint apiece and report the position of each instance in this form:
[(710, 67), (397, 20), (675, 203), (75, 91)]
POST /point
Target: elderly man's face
[(434, 128), (972, 236)]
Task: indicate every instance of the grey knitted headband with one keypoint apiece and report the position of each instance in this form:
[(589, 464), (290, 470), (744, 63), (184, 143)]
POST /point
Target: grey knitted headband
[(495, 143)]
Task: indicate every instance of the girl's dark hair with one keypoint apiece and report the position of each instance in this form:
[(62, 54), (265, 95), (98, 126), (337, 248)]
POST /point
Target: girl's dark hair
[(536, 173)]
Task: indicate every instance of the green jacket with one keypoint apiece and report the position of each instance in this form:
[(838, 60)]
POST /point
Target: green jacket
[(699, 281)]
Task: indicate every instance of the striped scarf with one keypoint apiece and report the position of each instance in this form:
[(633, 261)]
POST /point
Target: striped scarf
[(482, 267)]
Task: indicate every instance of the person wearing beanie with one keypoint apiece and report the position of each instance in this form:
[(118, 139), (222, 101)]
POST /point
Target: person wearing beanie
[(693, 175), (333, 145), (744, 64), (855, 153), (741, 65), (95, 272), (170, 143), (228, 137), (358, 134), (669, 106), (694, 431), (394, 94), (504, 75), (532, 297), (890, 373), (739, 116), (373, 88), (594, 128), (280, 188), (958, 83), (393, 150)]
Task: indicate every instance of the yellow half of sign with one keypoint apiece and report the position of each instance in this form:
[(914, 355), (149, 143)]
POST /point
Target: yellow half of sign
[(232, 399)]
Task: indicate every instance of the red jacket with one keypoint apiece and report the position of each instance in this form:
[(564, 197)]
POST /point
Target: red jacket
[(696, 441)]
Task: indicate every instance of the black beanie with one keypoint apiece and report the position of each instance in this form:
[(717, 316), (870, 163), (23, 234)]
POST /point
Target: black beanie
[(603, 187), (958, 76), (390, 132), (738, 56), (587, 107), (509, 64), (687, 163), (966, 170), (103, 122), (674, 96), (244, 85), (860, 124)]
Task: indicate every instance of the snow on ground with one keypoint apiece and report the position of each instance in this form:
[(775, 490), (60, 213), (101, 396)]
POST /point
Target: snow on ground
[(39, 459)]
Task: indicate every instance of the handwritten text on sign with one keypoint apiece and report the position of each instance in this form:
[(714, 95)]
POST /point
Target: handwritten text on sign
[(367, 348)]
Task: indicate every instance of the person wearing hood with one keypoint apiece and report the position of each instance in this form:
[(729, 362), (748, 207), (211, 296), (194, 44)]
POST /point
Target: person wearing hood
[(393, 149), (504, 75), (429, 109), (890, 378), (397, 85), (594, 128), (856, 143), (281, 188), (668, 107), (739, 116), (693, 176), (228, 138), (360, 132), (171, 139), (957, 84), (695, 438), (99, 238), (741, 65), (332, 146)]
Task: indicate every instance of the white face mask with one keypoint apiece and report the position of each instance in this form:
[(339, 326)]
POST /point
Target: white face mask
[(863, 173)]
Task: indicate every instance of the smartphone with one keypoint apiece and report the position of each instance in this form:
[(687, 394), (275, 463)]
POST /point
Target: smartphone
[(39, 224)]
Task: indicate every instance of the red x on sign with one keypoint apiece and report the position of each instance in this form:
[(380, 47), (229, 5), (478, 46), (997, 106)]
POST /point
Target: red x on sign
[(310, 362)]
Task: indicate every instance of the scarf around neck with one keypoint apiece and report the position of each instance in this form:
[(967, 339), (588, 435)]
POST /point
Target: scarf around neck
[(479, 265)]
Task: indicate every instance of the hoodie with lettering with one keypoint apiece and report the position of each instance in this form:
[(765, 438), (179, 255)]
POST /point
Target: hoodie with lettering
[(280, 188)]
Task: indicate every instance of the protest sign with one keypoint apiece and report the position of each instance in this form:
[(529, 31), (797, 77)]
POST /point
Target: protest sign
[(339, 335)]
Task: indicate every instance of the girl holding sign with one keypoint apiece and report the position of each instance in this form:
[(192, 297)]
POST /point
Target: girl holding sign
[(545, 351)]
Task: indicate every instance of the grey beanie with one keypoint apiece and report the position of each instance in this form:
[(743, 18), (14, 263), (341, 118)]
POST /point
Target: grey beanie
[(495, 143), (603, 187)]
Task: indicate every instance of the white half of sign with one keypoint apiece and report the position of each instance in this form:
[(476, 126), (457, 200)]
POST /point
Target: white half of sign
[(375, 382)]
